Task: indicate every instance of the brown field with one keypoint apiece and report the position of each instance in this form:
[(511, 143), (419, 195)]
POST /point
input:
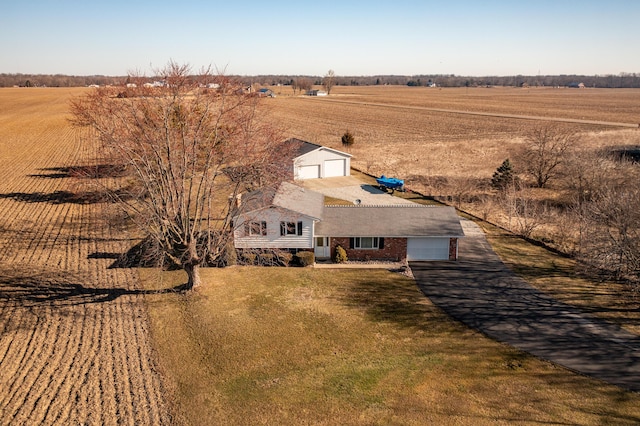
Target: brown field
[(74, 346), (406, 131)]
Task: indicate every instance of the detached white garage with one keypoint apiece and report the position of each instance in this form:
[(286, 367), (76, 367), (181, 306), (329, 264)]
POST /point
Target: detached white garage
[(427, 248), (313, 161)]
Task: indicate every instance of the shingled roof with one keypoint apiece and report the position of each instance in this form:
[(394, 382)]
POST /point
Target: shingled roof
[(300, 147), (401, 220), (287, 196)]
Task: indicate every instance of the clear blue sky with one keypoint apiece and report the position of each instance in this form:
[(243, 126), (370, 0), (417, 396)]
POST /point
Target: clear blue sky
[(249, 37)]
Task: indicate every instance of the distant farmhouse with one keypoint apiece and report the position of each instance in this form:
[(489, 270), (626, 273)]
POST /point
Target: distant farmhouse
[(315, 92), (268, 93)]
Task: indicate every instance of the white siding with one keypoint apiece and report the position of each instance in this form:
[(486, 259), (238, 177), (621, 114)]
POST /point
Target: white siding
[(334, 168), (273, 239), (309, 172), (319, 158)]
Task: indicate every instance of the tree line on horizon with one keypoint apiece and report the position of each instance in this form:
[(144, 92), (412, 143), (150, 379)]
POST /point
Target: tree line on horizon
[(622, 80)]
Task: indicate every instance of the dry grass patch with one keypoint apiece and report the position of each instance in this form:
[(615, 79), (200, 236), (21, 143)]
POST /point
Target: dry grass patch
[(304, 346), (560, 277), (399, 131)]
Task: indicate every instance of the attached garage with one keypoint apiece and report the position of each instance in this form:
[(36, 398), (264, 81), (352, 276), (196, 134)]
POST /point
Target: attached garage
[(333, 168), (396, 231), (427, 249)]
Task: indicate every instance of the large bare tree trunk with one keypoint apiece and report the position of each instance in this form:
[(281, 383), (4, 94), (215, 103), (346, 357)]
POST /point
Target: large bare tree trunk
[(193, 274)]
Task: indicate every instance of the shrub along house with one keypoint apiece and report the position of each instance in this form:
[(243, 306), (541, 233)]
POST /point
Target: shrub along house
[(293, 219), (390, 232)]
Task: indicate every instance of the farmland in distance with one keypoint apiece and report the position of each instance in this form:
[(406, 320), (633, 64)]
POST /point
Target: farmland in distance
[(74, 341), (429, 134)]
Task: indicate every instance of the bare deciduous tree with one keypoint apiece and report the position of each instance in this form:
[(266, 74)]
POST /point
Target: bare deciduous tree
[(524, 214), (329, 81), (294, 86), (304, 84), (190, 150), (462, 189), (586, 171), (545, 151), (612, 230)]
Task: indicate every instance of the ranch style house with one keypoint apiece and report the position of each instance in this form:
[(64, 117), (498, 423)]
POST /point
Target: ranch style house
[(295, 219)]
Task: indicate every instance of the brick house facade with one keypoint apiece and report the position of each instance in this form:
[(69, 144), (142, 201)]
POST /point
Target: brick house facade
[(292, 218), (453, 249), (393, 249)]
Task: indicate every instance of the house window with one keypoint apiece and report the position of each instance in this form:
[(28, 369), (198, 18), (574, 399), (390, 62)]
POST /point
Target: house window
[(290, 228), (256, 228), (367, 243)]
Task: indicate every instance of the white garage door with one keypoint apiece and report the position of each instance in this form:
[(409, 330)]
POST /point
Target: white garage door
[(428, 249), (334, 168), (309, 172)]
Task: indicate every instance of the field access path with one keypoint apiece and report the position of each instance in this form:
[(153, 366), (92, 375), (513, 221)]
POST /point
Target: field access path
[(74, 341)]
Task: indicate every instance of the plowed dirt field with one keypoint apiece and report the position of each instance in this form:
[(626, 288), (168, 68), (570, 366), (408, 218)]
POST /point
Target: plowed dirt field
[(450, 133), (74, 344)]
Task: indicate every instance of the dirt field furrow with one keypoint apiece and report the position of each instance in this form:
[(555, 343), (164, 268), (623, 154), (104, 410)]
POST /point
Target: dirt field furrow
[(86, 364), (29, 357), (46, 379), (59, 390), (71, 337)]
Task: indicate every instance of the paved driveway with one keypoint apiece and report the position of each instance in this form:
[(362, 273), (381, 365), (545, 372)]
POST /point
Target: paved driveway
[(480, 291)]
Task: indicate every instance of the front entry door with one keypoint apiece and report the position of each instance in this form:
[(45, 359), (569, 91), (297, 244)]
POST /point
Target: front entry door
[(322, 250)]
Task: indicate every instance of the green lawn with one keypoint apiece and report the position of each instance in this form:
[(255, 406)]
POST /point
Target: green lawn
[(350, 347)]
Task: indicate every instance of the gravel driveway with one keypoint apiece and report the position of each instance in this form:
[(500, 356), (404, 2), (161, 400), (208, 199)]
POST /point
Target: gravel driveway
[(480, 291)]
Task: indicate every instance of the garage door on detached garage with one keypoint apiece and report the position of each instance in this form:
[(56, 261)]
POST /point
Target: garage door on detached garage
[(427, 248), (309, 172), (313, 161), (333, 168)]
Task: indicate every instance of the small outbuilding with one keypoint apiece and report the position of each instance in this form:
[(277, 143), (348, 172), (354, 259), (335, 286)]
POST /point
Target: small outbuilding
[(268, 93), (313, 161)]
